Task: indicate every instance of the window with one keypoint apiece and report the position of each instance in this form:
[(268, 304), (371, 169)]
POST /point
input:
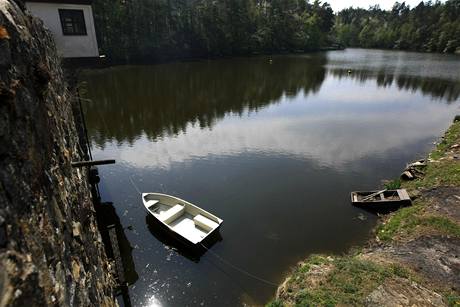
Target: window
[(72, 22)]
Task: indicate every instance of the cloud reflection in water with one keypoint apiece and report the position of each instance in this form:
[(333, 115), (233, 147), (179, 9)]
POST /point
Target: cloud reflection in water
[(339, 125)]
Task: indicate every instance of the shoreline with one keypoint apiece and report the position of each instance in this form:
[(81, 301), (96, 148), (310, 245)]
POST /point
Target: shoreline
[(102, 63), (412, 258)]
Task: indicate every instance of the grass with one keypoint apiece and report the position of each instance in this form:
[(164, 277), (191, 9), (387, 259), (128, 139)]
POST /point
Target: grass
[(403, 219), (307, 265), (393, 184), (349, 282), (451, 137), (407, 221), (441, 224), (441, 172), (445, 173), (275, 303), (453, 299)]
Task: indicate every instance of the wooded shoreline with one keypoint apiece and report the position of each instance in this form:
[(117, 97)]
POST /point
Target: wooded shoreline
[(151, 30)]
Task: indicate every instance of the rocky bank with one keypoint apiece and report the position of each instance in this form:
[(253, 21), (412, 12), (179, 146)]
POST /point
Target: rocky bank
[(51, 252)]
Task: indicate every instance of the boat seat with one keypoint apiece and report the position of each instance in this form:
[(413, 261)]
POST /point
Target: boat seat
[(172, 214), (204, 222), (151, 204)]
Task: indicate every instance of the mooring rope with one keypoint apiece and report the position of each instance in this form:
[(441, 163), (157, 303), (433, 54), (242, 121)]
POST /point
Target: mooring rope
[(240, 269), (134, 185)]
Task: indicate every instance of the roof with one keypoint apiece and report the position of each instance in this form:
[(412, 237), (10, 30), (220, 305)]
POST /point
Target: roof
[(87, 2)]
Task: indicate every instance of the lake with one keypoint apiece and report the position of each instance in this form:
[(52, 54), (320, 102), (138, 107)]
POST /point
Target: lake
[(272, 145)]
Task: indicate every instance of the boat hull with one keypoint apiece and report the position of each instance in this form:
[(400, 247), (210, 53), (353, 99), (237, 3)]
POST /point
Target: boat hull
[(191, 211), (193, 251), (399, 199)]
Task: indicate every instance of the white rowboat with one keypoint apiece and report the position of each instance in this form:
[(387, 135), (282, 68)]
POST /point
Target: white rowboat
[(181, 218)]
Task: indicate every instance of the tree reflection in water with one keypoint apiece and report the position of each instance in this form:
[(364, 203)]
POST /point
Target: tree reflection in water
[(161, 100), (437, 88)]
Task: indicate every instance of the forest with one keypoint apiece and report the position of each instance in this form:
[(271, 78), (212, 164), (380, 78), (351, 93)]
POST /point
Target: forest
[(152, 30), (428, 27), (159, 29)]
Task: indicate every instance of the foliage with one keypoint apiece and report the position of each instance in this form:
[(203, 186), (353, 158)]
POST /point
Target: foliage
[(430, 27), (157, 29), (151, 30), (275, 303), (453, 299)]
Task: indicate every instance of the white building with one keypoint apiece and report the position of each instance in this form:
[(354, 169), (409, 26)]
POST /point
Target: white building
[(72, 24)]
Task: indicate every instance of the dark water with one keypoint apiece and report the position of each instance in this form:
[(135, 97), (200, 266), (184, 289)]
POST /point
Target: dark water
[(273, 148)]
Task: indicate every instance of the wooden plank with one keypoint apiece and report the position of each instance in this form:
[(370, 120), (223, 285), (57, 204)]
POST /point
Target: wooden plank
[(116, 254), (403, 195), (382, 197), (368, 197), (92, 163)]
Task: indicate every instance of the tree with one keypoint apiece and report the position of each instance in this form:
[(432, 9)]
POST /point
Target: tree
[(150, 30), (432, 27)]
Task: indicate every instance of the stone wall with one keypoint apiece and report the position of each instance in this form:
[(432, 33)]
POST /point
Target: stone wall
[(50, 248)]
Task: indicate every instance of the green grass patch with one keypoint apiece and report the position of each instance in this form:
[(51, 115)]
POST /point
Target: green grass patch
[(450, 138), (317, 260), (441, 224), (406, 220), (440, 173), (401, 219), (275, 303), (312, 260), (349, 283), (400, 271), (393, 184), (453, 299)]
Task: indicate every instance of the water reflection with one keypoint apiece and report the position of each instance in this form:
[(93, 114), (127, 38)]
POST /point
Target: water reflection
[(339, 127), (273, 149), (437, 88), (153, 302), (163, 100)]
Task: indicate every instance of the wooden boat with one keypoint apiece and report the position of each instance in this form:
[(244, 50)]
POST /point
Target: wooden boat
[(185, 221), (384, 199)]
